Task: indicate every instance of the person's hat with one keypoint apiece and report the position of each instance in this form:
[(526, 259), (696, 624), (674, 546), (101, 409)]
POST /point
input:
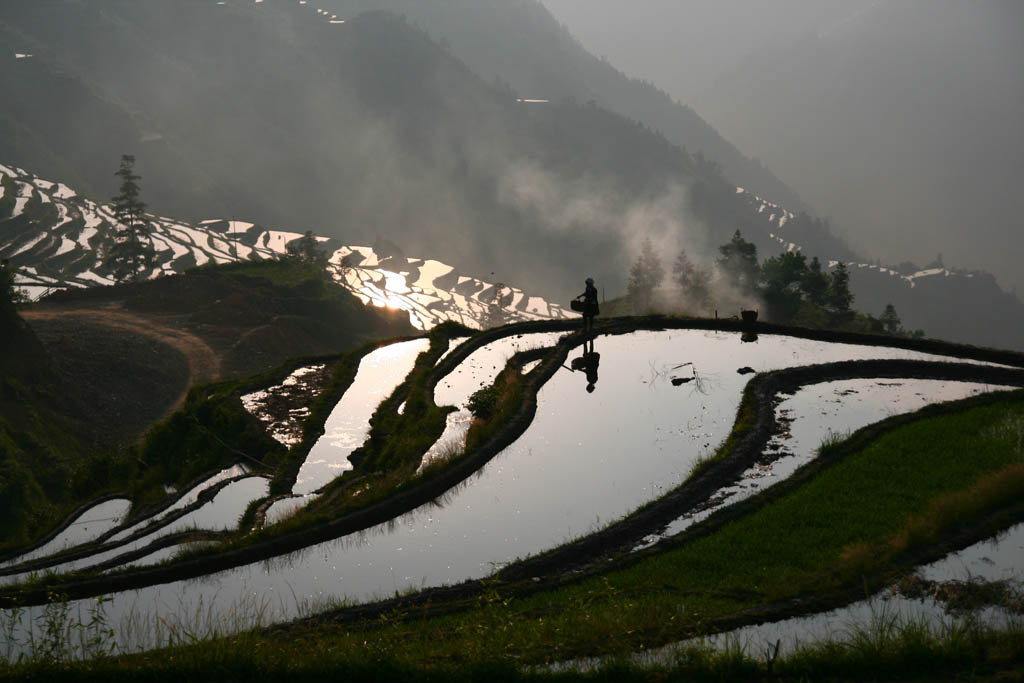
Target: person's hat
[(590, 280)]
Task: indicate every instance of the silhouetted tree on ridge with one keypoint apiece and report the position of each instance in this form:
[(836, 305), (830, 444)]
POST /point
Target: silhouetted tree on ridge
[(839, 296), (132, 251)]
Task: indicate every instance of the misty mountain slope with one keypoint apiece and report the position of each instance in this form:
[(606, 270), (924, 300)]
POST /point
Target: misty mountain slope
[(520, 43), (921, 104), (272, 113), (55, 238), (900, 120)]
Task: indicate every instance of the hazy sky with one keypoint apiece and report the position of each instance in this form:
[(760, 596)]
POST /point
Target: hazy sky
[(901, 120), (684, 45)]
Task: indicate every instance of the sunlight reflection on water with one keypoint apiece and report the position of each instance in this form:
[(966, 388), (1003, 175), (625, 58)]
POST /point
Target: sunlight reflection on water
[(585, 460)]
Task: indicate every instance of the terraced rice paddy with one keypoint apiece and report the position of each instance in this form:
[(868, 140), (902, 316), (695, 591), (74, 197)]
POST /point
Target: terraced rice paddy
[(663, 401)]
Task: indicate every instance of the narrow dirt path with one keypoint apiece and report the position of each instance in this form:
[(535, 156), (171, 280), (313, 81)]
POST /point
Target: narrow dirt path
[(203, 362)]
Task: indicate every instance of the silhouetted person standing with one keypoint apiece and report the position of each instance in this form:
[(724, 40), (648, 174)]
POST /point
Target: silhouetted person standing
[(590, 307)]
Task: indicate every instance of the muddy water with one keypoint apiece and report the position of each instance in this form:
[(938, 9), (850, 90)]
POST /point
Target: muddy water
[(587, 458), (287, 432)]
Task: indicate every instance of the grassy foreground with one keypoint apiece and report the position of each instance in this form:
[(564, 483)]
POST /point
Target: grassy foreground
[(882, 502)]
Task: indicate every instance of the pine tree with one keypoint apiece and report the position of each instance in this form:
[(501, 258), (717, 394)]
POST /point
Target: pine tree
[(788, 269), (132, 251), (308, 249), (645, 274), (739, 263), (891, 320), (838, 296), (691, 278), (783, 277), (815, 283)]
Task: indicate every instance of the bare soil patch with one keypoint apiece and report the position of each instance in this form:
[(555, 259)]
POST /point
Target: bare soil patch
[(125, 370), (127, 355)]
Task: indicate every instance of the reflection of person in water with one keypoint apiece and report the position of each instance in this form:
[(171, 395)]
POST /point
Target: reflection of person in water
[(588, 364)]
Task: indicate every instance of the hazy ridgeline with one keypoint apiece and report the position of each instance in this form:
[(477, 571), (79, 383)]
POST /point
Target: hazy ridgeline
[(270, 113), (406, 128), (520, 43), (900, 119)]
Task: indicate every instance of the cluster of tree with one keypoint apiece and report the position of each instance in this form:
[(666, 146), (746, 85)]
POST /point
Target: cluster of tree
[(791, 289)]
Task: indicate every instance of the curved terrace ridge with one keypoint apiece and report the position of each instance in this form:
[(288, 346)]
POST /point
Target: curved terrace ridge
[(635, 525)]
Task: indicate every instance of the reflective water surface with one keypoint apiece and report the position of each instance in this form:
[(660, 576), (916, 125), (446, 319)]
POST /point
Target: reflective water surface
[(88, 526), (289, 431), (478, 370), (829, 410), (660, 401), (280, 509), (379, 372), (223, 512), (190, 497)]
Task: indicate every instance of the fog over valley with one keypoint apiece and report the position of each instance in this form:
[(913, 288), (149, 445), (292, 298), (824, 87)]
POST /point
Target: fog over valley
[(898, 119)]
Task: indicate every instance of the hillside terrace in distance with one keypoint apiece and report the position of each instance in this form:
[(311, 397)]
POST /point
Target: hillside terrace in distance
[(54, 237)]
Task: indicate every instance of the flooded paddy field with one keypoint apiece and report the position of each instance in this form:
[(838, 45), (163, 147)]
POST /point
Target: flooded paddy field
[(283, 407), (983, 583), (477, 371), (380, 371), (220, 513), (88, 526), (824, 412), (661, 401)]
